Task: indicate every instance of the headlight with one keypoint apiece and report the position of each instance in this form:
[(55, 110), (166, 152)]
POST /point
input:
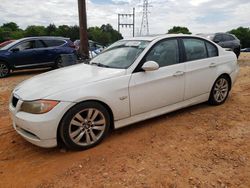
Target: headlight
[(38, 107)]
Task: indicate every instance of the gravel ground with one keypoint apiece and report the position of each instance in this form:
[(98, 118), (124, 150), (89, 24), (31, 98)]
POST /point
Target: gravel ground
[(200, 146)]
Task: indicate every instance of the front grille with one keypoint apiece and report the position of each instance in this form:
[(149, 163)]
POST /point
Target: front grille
[(14, 101)]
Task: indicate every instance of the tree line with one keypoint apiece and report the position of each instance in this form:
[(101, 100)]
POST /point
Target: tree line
[(104, 34)]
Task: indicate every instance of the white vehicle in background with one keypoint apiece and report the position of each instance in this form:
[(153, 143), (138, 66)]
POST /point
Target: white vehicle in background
[(130, 81)]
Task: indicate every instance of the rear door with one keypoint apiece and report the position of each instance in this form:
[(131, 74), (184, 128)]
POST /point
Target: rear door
[(54, 48), (200, 66), (41, 52)]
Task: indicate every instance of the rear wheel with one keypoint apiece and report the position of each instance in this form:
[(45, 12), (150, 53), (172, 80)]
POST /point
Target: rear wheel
[(220, 91), (58, 63), (85, 125), (4, 70)]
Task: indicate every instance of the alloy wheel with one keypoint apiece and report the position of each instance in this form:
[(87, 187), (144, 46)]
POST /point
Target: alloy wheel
[(87, 127), (4, 70), (221, 90)]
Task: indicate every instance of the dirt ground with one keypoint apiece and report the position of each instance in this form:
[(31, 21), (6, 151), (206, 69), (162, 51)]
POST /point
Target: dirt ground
[(200, 146)]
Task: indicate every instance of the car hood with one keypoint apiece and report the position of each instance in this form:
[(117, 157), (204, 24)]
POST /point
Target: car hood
[(52, 82)]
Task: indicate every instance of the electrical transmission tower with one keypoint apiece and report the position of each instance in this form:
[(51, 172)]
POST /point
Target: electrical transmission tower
[(144, 23)]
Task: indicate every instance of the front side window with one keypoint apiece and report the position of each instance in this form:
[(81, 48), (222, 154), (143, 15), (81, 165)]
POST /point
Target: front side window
[(195, 49), (218, 38), (120, 55), (25, 46), (165, 53), (228, 37)]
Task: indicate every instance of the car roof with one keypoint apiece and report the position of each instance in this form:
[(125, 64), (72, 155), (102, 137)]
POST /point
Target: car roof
[(154, 37), (44, 37)]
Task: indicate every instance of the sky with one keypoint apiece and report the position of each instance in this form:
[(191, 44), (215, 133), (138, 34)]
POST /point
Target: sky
[(200, 16)]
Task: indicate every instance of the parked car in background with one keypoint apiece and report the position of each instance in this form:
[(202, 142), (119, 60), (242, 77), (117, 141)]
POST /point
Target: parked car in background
[(6, 43), (94, 47), (245, 50), (225, 40), (34, 52), (132, 80)]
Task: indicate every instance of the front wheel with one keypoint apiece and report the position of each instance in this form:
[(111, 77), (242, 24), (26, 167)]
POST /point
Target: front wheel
[(4, 70), (85, 125), (220, 91)]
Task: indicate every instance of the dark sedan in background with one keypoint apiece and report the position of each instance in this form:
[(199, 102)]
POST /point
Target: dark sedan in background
[(225, 40), (34, 52)]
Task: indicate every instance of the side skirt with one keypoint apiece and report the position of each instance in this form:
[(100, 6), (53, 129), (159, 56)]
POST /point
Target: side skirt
[(157, 112)]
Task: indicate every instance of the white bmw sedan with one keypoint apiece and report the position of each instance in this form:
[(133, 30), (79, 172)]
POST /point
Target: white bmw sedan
[(130, 81)]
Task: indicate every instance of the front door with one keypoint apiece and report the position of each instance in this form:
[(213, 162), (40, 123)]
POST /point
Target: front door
[(23, 54), (165, 86)]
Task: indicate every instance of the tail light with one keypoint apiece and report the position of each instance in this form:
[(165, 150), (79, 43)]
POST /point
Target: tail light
[(72, 45)]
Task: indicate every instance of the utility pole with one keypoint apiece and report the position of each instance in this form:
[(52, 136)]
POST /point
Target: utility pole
[(84, 49), (127, 24)]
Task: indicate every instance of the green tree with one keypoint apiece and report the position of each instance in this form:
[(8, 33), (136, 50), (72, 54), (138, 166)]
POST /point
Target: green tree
[(10, 26), (51, 30), (105, 34), (243, 34), (33, 30), (179, 29)]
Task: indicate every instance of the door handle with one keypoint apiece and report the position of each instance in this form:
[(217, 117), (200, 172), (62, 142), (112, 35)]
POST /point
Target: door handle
[(212, 65), (179, 73)]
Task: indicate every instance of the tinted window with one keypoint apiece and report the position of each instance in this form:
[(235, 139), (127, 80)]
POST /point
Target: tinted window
[(195, 49), (53, 43), (39, 44), (164, 53), (211, 49), (228, 38), (218, 37), (25, 46)]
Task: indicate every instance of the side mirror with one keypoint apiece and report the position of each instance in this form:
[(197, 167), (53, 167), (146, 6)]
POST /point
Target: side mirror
[(15, 50), (150, 66)]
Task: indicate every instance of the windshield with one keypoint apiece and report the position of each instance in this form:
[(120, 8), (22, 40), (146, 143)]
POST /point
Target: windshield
[(10, 45), (121, 54)]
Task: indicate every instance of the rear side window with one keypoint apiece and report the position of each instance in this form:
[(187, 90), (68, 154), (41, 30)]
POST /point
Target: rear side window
[(211, 50), (195, 49), (39, 44), (53, 43)]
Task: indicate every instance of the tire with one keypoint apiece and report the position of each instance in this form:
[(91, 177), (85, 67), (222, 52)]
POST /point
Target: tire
[(58, 63), (220, 91), (84, 126), (4, 70)]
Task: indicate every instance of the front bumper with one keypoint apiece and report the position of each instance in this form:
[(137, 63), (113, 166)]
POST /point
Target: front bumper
[(39, 129)]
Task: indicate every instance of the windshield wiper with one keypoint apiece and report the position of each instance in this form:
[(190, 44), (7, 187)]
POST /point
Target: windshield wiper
[(100, 65)]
